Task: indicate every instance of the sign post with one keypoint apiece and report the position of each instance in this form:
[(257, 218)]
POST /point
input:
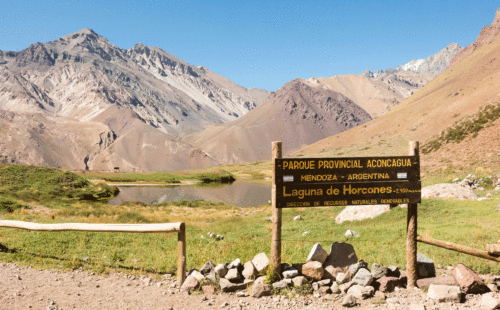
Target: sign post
[(317, 182)]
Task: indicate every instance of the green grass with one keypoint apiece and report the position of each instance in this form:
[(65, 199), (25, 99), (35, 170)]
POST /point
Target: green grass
[(203, 175), (246, 232)]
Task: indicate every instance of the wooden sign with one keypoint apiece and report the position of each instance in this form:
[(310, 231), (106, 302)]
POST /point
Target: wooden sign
[(315, 182)]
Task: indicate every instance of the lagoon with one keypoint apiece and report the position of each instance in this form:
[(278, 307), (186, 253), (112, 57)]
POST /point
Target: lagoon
[(239, 193)]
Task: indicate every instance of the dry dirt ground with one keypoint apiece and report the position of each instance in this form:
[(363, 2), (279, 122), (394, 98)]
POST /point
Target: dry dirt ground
[(24, 287)]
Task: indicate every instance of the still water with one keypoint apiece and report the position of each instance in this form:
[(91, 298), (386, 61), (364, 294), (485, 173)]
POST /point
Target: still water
[(241, 194)]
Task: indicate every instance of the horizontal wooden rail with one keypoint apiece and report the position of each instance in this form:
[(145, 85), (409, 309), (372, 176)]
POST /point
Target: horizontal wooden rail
[(180, 228), (457, 248)]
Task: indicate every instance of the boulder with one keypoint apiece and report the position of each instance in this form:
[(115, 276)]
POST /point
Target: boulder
[(283, 283), (208, 271), (221, 270), (233, 275), (234, 264), (363, 277), (493, 287), (359, 213), (227, 286), (191, 283), (379, 271), (344, 287), (323, 290), (290, 273), (260, 290), (317, 254), (448, 191), (299, 281), (341, 256), (388, 284), (493, 249), (260, 280), (444, 293), (488, 302), (425, 267), (355, 267), (261, 263), (313, 270), (335, 288), (195, 273), (393, 271), (361, 292), (331, 272), (249, 271), (469, 281), (349, 301), (326, 282), (343, 277), (447, 280)]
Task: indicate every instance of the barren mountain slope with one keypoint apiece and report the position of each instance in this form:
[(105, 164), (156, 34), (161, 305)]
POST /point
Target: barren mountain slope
[(84, 78), (297, 114), (456, 94)]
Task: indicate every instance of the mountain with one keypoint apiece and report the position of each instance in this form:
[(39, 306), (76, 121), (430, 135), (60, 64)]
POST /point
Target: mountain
[(436, 63), (455, 117), (82, 79), (305, 111)]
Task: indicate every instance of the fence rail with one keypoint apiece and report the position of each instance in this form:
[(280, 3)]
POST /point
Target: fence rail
[(180, 228)]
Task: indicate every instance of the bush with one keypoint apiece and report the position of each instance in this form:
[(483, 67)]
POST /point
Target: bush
[(9, 206)]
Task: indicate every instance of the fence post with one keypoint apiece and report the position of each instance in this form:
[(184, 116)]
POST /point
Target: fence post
[(411, 232), (276, 234), (181, 254)]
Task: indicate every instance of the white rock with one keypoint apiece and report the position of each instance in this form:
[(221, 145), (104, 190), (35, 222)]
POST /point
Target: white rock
[(297, 218), (448, 191), (261, 263), (358, 213), (317, 254), (350, 233), (489, 302)]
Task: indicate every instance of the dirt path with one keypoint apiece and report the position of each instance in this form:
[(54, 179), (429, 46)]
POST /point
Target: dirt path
[(29, 288)]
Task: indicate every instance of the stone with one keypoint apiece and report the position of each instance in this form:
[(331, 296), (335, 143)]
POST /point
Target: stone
[(297, 218), (261, 290), (488, 302), (448, 191), (195, 273), (498, 207), (234, 264), (221, 270), (343, 277), (261, 263), (249, 271), (299, 281), (208, 271), (330, 272), (317, 254), (355, 267), (351, 233), (344, 287), (315, 286), (335, 288), (341, 256), (281, 284), (444, 293), (388, 284), (493, 287), (349, 301), (469, 281), (360, 212), (379, 271), (379, 295), (208, 289), (323, 290), (393, 271), (191, 283), (425, 267), (227, 286), (493, 249), (260, 280), (447, 280), (363, 277), (290, 273), (361, 292), (325, 282), (313, 270), (233, 275)]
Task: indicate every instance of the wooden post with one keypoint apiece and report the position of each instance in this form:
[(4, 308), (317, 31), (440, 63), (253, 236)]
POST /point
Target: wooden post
[(411, 233), (276, 234), (181, 255)]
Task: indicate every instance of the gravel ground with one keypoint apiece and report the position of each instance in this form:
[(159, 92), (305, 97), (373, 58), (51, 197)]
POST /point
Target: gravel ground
[(29, 288)]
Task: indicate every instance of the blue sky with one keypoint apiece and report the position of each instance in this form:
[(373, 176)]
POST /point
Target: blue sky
[(261, 44)]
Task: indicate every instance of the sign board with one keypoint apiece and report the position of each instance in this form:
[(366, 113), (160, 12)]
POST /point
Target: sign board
[(314, 182)]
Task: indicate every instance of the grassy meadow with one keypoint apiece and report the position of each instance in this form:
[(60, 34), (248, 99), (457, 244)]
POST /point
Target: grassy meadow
[(246, 231)]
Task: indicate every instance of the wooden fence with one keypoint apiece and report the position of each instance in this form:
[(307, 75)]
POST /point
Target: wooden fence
[(180, 228)]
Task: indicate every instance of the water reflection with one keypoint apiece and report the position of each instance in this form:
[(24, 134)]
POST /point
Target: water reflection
[(242, 194)]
